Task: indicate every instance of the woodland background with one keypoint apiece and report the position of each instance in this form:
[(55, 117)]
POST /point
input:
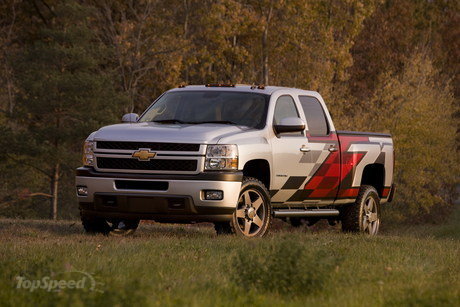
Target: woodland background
[(69, 67)]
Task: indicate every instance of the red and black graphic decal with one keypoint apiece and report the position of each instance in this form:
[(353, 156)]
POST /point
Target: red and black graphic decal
[(334, 177)]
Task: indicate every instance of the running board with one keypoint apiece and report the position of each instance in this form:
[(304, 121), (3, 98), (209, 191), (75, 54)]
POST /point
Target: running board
[(305, 213)]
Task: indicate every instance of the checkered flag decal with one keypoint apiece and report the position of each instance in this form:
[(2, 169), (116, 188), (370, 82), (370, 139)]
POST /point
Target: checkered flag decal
[(321, 180)]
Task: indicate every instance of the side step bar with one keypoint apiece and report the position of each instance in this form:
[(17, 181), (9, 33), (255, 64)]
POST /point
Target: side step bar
[(306, 213)]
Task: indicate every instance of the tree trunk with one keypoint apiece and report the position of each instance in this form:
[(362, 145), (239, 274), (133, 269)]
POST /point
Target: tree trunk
[(265, 57), (265, 69), (233, 68), (54, 191), (186, 8)]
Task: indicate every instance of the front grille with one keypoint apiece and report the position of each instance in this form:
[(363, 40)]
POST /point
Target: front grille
[(152, 146), (141, 185), (152, 165)]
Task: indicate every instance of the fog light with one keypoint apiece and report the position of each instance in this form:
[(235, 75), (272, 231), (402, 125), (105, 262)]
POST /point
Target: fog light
[(213, 195), (82, 190)]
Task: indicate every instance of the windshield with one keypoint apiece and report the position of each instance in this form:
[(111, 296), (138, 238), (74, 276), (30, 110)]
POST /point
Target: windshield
[(198, 107)]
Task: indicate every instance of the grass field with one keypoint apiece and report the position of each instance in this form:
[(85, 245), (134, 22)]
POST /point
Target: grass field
[(190, 265)]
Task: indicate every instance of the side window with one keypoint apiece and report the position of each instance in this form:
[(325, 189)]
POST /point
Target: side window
[(314, 113), (285, 107)]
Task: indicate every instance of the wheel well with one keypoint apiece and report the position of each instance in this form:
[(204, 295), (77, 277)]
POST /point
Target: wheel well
[(259, 169), (374, 175)]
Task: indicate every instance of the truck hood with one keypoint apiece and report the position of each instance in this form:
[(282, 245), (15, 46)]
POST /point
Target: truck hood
[(170, 133)]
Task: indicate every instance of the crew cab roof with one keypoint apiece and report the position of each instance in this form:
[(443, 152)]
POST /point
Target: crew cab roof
[(237, 88)]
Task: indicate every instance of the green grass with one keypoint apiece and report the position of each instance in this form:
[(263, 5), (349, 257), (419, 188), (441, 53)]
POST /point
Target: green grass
[(190, 265)]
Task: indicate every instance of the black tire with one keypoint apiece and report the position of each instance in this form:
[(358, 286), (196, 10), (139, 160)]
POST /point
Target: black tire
[(124, 228), (223, 228), (97, 225), (357, 217), (296, 222)]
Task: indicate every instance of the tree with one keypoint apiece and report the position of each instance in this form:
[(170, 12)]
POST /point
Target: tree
[(219, 39), (64, 94), (417, 106), (66, 66), (313, 45), (395, 29), (147, 46), (8, 24)]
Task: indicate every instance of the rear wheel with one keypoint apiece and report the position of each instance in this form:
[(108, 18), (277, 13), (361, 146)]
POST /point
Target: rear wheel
[(124, 228), (364, 214), (116, 227)]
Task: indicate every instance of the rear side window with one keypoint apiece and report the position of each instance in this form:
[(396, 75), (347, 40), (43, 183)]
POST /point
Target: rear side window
[(314, 113), (285, 107)]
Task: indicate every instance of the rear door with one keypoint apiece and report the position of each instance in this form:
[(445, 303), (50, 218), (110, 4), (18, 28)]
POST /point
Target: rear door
[(322, 183)]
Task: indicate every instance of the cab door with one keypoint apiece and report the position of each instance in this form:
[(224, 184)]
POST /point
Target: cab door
[(291, 159), (322, 184)]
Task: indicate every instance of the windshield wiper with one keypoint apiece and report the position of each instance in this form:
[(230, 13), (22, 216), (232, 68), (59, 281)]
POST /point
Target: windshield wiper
[(171, 121), (227, 122)]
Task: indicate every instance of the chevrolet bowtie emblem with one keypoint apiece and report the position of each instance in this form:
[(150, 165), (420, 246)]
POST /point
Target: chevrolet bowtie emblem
[(144, 154)]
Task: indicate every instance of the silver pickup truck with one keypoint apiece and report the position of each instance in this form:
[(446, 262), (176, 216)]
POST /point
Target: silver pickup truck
[(237, 156)]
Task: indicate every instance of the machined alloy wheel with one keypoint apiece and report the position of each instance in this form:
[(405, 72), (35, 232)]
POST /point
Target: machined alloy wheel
[(370, 217), (252, 216), (364, 214), (250, 213)]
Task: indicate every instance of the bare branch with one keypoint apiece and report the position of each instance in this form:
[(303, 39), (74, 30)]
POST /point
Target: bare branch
[(19, 161), (22, 197)]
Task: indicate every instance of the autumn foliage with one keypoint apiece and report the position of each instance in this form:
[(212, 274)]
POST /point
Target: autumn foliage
[(69, 67)]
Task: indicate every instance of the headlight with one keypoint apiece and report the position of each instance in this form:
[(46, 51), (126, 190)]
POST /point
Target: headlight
[(88, 153), (221, 157)]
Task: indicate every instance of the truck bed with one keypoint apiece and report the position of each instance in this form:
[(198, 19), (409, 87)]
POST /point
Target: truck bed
[(375, 134)]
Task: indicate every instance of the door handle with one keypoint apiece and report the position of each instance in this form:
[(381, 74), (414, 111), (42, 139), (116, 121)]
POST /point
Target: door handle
[(304, 149), (332, 148)]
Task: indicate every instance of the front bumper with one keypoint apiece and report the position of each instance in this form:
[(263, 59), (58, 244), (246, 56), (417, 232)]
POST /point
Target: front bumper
[(182, 200)]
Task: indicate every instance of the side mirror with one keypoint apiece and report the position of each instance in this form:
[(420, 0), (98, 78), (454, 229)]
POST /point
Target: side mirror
[(130, 118), (289, 124)]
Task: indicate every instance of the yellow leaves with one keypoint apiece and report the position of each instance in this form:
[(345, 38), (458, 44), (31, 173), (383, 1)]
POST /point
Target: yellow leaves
[(417, 106)]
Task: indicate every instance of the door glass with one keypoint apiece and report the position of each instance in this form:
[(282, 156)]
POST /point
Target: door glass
[(314, 113), (285, 107)]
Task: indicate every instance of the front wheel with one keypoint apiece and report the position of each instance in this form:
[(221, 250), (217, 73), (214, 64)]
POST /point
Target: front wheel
[(253, 214), (364, 214)]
